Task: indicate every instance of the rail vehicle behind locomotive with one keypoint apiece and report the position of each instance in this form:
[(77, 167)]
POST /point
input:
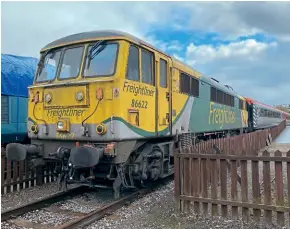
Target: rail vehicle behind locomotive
[(17, 73), (111, 107), (262, 116)]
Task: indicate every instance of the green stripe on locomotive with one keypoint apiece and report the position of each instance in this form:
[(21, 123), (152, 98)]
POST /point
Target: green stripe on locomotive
[(207, 116)]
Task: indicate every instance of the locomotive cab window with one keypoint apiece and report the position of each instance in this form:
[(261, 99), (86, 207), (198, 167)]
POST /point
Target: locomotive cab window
[(101, 59), (163, 73), (147, 67), (133, 67), (194, 87), (189, 85), (71, 63), (184, 83), (47, 67), (213, 94)]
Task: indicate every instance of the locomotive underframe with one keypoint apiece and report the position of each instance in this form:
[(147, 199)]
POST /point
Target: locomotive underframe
[(129, 164)]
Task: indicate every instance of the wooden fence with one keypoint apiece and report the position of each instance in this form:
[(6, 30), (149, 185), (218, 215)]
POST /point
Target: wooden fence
[(232, 176), (19, 175)]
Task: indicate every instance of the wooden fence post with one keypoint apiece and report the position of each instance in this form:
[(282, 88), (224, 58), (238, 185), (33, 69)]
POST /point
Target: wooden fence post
[(279, 189)]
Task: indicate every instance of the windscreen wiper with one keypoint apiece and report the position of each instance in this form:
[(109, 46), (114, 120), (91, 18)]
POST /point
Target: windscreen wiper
[(40, 64), (90, 55)]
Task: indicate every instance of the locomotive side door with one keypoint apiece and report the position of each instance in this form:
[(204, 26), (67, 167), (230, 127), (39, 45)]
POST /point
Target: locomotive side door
[(163, 85)]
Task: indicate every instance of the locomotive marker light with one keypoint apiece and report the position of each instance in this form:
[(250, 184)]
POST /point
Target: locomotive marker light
[(79, 96), (99, 94), (36, 97), (101, 129), (48, 98)]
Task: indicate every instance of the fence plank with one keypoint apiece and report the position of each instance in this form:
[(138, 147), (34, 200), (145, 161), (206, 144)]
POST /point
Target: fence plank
[(177, 177), (279, 189), (288, 184), (204, 182), (223, 177), (8, 178), (187, 179), (234, 190), (15, 174), (21, 174), (256, 189), (267, 188), (182, 178), (214, 178), (196, 183), (244, 188)]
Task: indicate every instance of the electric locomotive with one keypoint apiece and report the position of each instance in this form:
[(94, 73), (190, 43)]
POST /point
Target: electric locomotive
[(111, 108)]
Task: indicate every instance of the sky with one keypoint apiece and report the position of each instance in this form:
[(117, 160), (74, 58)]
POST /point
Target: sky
[(242, 44)]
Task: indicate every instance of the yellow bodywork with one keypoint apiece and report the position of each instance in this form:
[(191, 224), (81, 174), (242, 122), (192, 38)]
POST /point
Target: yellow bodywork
[(121, 99), (123, 108)]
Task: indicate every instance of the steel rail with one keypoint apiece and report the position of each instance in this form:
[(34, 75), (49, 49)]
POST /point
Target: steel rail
[(112, 207), (38, 204)]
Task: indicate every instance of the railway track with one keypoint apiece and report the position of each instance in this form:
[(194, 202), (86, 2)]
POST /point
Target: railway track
[(16, 216)]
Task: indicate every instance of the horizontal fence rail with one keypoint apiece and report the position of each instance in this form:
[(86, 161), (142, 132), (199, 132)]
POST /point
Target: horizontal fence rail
[(233, 177), (19, 175)]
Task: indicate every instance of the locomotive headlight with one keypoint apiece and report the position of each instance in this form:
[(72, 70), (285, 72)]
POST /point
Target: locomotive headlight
[(60, 125), (48, 98), (101, 129), (79, 96), (34, 129)]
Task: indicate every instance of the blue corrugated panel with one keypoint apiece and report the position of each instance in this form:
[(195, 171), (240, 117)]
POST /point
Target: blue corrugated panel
[(17, 74)]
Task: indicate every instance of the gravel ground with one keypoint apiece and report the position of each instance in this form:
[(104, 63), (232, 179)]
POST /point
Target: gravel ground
[(58, 213), (157, 210), (47, 218), (86, 202), (25, 196), (7, 225)]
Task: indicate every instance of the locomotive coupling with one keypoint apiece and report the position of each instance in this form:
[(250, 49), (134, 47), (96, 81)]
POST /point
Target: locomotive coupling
[(19, 152)]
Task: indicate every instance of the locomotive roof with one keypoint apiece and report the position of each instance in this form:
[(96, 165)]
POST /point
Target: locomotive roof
[(95, 35), (99, 34)]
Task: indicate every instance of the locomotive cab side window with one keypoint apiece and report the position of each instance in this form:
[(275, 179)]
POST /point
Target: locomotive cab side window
[(133, 66), (163, 73), (194, 87), (213, 94), (147, 67), (184, 83), (188, 85)]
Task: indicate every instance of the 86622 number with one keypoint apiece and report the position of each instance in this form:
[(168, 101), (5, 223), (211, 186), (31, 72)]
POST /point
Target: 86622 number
[(139, 103)]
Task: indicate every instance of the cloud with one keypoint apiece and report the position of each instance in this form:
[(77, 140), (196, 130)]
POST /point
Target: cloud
[(244, 44), (234, 19), (249, 49), (43, 22)]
